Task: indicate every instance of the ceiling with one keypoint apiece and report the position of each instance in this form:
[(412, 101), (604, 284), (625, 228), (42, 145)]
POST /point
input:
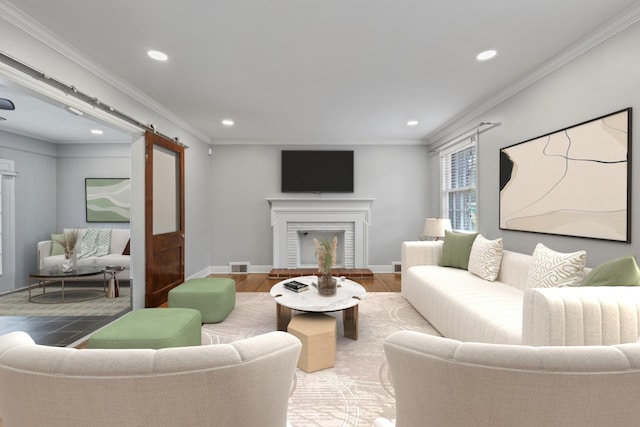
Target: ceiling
[(42, 118), (324, 71)]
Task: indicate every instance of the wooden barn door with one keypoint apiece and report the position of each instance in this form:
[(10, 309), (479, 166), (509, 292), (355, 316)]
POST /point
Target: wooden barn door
[(164, 217)]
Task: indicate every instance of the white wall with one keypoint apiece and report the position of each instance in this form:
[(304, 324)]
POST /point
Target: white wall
[(603, 80), (243, 176), (35, 197), (77, 162)]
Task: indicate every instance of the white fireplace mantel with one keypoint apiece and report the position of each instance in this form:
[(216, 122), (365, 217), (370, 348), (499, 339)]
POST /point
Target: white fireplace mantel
[(325, 211)]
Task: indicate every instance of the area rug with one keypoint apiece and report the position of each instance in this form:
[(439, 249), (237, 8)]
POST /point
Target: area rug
[(357, 390), (18, 304)]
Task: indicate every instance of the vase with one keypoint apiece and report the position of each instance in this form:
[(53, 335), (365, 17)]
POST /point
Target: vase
[(67, 264), (327, 284)]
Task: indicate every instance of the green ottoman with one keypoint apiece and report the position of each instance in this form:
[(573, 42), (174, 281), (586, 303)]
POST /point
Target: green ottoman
[(214, 297), (151, 328)]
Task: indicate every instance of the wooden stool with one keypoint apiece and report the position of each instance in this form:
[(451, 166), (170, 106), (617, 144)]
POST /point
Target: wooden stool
[(317, 332)]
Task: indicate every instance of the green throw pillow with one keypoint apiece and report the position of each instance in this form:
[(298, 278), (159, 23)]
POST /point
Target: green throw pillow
[(616, 272), (56, 247), (456, 249)]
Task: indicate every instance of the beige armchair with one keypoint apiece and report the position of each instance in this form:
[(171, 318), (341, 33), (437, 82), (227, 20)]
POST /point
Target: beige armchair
[(246, 383), (444, 383)]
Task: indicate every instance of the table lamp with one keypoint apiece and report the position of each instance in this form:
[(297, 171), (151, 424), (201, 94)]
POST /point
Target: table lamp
[(435, 227)]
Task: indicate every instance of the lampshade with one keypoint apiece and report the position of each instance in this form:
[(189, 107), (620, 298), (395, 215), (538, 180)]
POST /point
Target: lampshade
[(435, 227)]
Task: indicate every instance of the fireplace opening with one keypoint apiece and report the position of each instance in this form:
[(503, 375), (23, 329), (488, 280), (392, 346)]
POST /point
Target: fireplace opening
[(307, 250)]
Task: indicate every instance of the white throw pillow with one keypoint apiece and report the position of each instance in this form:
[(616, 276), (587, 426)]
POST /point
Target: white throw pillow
[(550, 268), (485, 258)]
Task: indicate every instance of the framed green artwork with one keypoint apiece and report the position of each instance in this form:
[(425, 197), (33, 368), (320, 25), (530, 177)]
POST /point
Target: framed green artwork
[(108, 199)]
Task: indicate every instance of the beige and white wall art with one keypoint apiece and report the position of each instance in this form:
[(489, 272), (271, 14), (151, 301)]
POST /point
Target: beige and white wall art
[(572, 182)]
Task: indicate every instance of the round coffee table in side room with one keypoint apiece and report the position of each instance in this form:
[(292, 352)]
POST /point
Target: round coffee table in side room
[(348, 295), (55, 274)]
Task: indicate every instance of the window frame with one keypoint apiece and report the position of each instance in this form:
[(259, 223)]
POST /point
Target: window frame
[(445, 192)]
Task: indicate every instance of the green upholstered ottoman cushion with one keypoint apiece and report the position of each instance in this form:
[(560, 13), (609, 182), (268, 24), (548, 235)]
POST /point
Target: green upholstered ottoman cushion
[(214, 297), (151, 328)]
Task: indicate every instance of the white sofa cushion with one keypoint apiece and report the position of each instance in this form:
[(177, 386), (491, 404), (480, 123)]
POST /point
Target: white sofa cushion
[(119, 239), (442, 382), (245, 383), (111, 260), (463, 306)]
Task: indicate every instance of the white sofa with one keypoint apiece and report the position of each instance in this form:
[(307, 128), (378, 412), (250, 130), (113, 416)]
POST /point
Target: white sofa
[(465, 307), (119, 239), (448, 383), (246, 383)]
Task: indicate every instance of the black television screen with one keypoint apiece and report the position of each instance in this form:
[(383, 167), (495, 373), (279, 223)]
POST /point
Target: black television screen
[(310, 171)]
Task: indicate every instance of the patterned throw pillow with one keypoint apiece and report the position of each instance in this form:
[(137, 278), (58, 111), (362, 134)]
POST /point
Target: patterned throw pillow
[(550, 268), (485, 258)]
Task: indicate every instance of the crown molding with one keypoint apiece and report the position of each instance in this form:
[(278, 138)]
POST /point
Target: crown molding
[(24, 22), (279, 142), (624, 20)]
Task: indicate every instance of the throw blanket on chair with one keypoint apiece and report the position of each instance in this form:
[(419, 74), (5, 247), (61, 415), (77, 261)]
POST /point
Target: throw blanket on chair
[(95, 242)]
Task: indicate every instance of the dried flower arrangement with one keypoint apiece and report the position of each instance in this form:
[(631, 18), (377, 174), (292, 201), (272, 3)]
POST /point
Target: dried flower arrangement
[(68, 242), (326, 253)]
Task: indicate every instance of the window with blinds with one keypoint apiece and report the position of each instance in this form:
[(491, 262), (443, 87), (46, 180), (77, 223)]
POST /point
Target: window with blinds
[(458, 182)]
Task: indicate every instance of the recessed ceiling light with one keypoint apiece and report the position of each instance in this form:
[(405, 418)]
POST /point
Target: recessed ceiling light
[(487, 54), (157, 55), (412, 123), (96, 131), (227, 122)]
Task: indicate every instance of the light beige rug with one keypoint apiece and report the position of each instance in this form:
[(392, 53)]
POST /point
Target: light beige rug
[(358, 388), (18, 304)]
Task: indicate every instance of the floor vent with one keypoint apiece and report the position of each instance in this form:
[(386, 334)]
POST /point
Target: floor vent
[(396, 267), (239, 267)]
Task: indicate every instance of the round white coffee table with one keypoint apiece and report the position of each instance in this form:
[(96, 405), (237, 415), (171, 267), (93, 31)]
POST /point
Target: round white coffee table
[(348, 295)]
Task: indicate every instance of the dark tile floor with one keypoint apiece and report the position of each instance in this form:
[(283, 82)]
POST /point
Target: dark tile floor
[(59, 331)]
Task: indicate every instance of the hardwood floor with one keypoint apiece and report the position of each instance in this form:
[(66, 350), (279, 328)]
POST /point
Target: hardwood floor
[(386, 282)]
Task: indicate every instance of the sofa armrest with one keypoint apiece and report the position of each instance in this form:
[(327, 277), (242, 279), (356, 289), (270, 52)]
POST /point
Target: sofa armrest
[(44, 250), (599, 315), (420, 253)]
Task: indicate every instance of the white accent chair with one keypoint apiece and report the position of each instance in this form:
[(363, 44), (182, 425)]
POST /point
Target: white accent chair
[(442, 382), (246, 383)]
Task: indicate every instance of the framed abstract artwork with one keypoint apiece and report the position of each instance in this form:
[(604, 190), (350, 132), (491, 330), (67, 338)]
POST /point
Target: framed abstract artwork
[(572, 182), (108, 199)]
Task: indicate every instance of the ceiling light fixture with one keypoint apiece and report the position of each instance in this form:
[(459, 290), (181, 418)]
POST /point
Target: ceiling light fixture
[(157, 55), (75, 111), (96, 131), (412, 123), (487, 54), (227, 122)]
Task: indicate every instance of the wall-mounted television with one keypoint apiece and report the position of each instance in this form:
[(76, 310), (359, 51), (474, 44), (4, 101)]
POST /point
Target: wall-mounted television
[(313, 171)]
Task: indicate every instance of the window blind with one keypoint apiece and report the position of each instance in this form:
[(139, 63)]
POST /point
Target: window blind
[(458, 179)]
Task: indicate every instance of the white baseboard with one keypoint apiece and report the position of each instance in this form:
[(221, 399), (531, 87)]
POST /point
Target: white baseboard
[(226, 269), (380, 269)]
